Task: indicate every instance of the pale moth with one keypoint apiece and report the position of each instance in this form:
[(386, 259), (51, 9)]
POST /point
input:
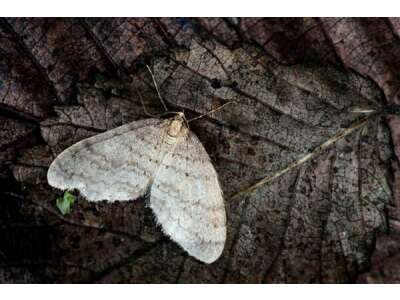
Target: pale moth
[(160, 156)]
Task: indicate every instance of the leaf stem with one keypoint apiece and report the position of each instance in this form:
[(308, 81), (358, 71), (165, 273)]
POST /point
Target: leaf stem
[(354, 126)]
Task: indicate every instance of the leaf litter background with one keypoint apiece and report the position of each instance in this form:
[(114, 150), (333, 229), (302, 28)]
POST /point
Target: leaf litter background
[(294, 82)]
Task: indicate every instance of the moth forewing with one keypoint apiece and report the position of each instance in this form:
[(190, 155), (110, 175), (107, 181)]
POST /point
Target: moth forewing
[(187, 200), (163, 155)]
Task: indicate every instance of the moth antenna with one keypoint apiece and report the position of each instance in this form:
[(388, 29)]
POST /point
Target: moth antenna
[(156, 86), (167, 113), (144, 106), (186, 121), (211, 111)]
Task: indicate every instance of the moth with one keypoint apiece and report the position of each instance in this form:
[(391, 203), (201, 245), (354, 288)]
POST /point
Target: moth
[(159, 156)]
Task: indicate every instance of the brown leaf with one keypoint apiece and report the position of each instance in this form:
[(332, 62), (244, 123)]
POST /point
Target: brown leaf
[(21, 89), (63, 48), (290, 92)]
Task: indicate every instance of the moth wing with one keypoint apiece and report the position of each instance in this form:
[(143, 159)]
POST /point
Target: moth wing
[(115, 165), (187, 200)]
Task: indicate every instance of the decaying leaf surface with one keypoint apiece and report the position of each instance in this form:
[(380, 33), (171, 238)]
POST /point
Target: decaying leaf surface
[(290, 91)]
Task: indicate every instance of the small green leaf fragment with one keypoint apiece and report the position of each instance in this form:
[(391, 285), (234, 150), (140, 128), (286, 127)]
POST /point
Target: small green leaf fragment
[(64, 203), (69, 197)]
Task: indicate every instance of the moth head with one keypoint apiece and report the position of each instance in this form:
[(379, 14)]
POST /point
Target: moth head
[(180, 115)]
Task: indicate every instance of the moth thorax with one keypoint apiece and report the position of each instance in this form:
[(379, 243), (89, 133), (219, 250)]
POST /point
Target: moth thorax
[(173, 131), (175, 128)]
